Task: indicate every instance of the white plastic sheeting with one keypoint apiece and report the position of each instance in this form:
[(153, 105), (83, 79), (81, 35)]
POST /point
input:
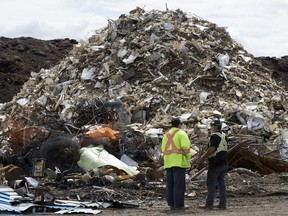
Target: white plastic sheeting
[(91, 159)]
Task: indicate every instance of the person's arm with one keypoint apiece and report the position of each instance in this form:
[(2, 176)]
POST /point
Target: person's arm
[(209, 152), (211, 149), (163, 143), (185, 142)]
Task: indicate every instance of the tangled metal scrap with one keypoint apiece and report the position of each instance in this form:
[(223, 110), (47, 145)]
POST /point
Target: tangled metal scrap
[(146, 67)]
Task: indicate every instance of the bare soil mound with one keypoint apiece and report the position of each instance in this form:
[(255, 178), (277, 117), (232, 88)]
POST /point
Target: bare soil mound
[(20, 56), (279, 67)]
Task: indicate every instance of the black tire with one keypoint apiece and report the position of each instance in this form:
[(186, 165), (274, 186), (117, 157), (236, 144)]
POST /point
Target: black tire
[(61, 151)]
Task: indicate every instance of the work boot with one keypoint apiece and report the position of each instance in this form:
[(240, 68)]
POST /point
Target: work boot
[(208, 207), (221, 206), (182, 208)]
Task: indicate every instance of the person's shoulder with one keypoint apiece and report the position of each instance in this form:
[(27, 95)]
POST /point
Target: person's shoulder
[(181, 131), (215, 136), (218, 133)]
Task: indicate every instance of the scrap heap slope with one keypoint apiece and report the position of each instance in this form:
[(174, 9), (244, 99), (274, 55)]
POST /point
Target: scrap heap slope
[(146, 67)]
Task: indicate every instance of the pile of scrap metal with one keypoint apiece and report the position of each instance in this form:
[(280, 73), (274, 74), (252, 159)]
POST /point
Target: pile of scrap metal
[(28, 196), (242, 157)]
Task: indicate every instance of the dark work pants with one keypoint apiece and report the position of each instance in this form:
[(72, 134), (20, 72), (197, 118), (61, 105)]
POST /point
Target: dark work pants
[(175, 186), (216, 177)]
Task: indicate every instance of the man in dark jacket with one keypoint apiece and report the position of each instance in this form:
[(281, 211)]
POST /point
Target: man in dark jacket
[(217, 156)]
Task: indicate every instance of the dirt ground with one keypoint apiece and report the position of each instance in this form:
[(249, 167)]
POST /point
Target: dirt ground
[(237, 206), (246, 205), (246, 194)]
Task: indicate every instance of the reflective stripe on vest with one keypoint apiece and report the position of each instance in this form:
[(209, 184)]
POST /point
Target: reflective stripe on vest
[(174, 149), (222, 145)]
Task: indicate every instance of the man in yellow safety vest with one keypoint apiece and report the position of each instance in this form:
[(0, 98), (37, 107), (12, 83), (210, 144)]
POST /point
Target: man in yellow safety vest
[(176, 151)]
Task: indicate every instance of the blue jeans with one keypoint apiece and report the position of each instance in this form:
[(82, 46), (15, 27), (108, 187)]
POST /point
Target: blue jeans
[(175, 186), (216, 177)]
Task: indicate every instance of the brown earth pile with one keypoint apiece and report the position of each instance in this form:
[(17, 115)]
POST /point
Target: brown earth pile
[(279, 67), (20, 56)]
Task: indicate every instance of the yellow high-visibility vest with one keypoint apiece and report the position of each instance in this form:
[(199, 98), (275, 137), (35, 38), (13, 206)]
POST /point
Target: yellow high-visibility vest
[(176, 149)]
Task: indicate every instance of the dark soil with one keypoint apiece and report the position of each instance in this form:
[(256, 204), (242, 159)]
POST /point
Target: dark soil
[(279, 67), (20, 56)]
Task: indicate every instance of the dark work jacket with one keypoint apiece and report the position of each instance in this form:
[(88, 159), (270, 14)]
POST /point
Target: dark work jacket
[(221, 157)]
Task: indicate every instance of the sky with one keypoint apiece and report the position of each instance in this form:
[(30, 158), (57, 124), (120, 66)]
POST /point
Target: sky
[(259, 25)]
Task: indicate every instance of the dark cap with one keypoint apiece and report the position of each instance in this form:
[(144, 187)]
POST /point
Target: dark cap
[(175, 122), (216, 122)]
